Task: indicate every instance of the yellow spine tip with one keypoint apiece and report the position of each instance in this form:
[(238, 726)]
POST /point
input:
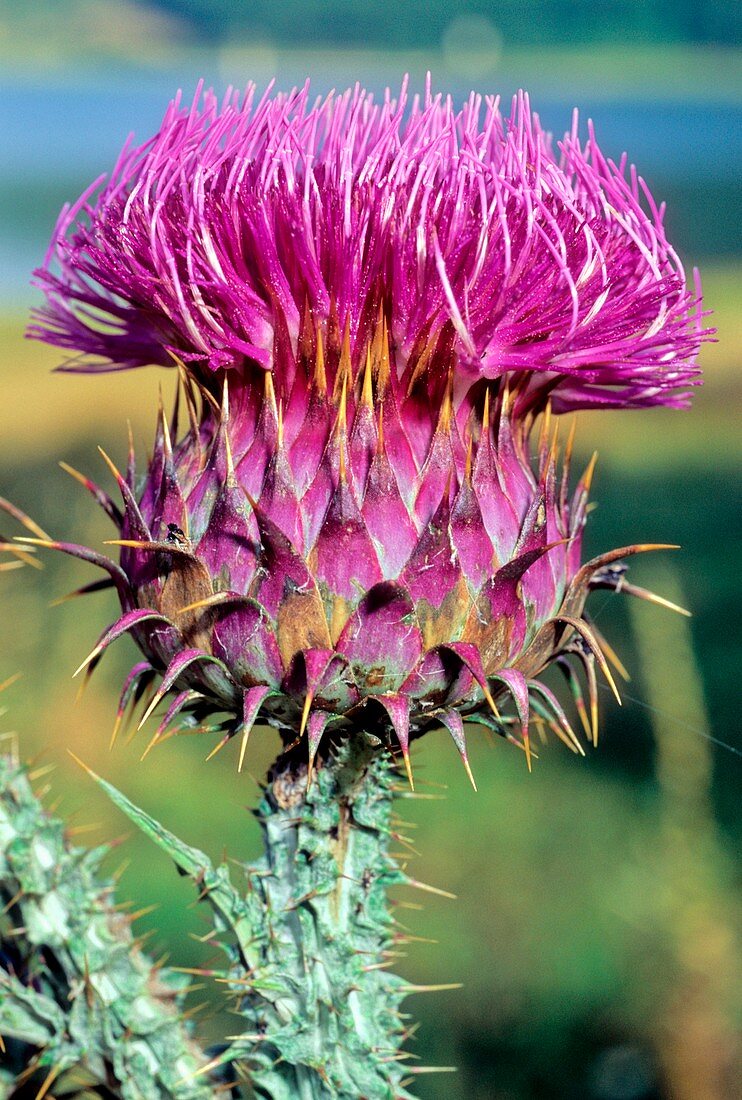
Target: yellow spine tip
[(243, 748), (218, 747), (408, 768), (342, 421), (320, 376), (470, 774), (90, 657), (367, 394), (168, 444), (587, 477), (491, 702), (270, 393), (469, 449), (305, 713), (155, 700)]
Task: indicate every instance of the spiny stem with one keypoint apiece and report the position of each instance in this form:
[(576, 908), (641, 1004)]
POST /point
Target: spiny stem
[(319, 897), (308, 932)]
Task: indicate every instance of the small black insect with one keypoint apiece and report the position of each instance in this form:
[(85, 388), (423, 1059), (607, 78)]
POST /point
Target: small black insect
[(176, 535)]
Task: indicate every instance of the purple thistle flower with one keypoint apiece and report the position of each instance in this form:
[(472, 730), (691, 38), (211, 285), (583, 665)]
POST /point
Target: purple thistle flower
[(370, 306)]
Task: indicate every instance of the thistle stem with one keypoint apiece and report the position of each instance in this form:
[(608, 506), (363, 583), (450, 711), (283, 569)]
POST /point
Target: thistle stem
[(79, 999), (321, 1009)]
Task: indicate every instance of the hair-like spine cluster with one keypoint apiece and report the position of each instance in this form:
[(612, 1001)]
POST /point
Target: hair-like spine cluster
[(207, 241)]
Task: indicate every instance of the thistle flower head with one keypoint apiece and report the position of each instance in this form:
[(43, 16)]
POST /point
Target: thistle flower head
[(370, 306)]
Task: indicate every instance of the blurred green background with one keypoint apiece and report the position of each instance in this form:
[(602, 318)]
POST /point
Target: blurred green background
[(595, 926)]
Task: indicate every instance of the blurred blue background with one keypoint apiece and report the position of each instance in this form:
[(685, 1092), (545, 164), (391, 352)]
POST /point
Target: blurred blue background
[(595, 927)]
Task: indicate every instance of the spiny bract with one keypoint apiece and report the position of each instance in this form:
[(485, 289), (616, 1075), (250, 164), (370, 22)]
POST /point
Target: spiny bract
[(374, 310)]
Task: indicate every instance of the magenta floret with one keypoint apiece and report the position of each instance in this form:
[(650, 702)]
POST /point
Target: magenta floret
[(208, 242)]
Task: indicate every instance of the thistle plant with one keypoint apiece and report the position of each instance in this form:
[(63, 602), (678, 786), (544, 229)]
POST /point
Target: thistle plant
[(82, 1007), (356, 526)]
